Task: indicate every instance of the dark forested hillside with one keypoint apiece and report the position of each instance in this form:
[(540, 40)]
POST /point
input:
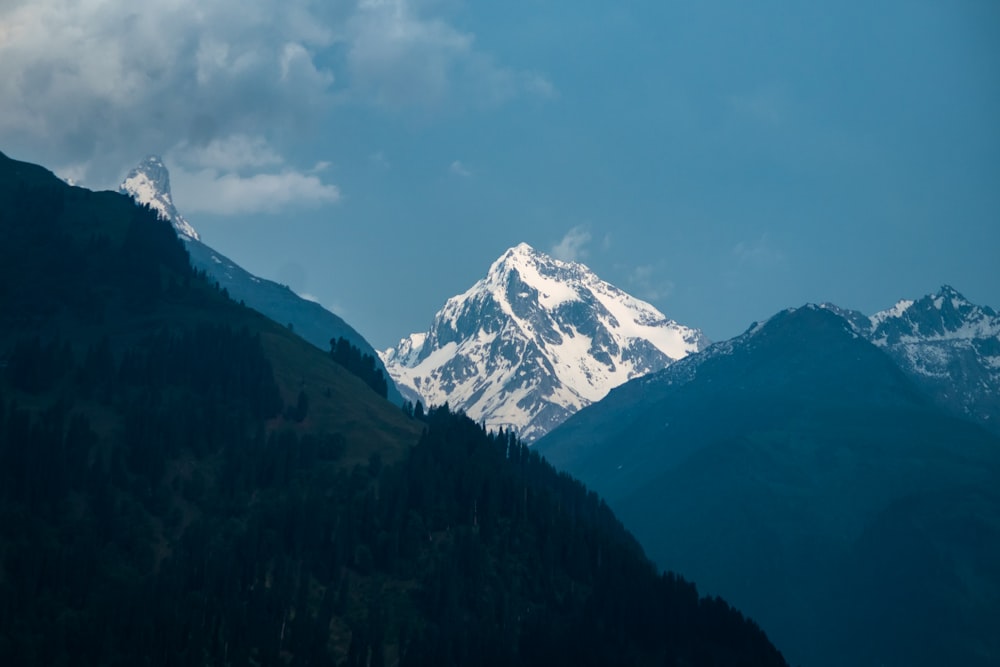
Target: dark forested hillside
[(183, 482), (360, 364), (309, 320)]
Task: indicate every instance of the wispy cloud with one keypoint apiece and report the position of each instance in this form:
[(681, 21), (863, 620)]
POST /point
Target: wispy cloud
[(758, 253), (459, 169), (240, 174), (646, 282), (231, 153), (399, 57), (573, 245), (229, 193), (309, 297), (768, 104)]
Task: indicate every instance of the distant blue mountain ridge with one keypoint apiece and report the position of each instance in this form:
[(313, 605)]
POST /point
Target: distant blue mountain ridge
[(834, 475)]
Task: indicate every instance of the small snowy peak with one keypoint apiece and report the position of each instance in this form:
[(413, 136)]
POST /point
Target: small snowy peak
[(946, 315), (860, 323), (533, 342), (565, 289), (948, 345), (407, 352), (895, 312), (149, 184)]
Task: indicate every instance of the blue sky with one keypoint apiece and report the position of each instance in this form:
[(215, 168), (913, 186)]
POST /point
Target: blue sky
[(722, 160)]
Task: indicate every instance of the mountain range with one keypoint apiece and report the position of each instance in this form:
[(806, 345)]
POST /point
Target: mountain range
[(149, 184), (533, 342), (948, 346), (184, 481), (810, 469), (538, 339), (832, 473), (801, 470)]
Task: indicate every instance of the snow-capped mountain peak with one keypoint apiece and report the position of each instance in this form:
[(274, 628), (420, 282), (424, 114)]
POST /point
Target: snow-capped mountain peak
[(534, 341), (895, 312), (149, 184), (944, 316), (947, 344)]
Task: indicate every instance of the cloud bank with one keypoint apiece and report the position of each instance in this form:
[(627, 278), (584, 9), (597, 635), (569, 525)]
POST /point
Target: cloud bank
[(96, 85), (398, 58), (90, 87), (210, 191), (241, 174)]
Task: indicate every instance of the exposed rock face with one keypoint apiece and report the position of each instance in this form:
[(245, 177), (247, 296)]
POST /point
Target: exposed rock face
[(533, 342)]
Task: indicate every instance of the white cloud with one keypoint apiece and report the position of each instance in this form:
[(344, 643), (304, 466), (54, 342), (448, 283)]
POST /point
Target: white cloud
[(398, 58), (459, 169), (309, 297), (209, 191), (538, 84), (645, 282), (379, 160), (98, 84), (236, 174), (759, 253), (573, 246), (73, 174), (332, 306), (231, 153), (102, 83)]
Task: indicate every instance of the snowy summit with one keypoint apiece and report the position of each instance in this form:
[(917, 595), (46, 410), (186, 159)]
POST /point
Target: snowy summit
[(533, 342), (947, 345), (149, 184)]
